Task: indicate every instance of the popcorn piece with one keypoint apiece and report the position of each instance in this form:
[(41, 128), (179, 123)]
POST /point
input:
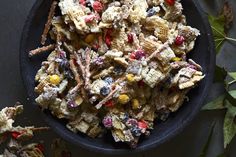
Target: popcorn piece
[(138, 12)]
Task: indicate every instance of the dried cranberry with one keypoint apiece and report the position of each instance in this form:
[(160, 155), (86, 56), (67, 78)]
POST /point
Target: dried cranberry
[(15, 134), (132, 55), (40, 147), (130, 38), (170, 2), (95, 47), (179, 40), (142, 124), (107, 122), (108, 40), (131, 122), (139, 54), (141, 83), (97, 6), (82, 2), (109, 103), (89, 18)]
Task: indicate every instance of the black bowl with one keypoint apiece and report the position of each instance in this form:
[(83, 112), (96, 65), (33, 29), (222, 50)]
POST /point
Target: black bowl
[(203, 53)]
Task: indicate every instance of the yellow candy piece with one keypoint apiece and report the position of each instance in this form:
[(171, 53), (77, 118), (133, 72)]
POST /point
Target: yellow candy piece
[(123, 99), (130, 78), (54, 79), (135, 104), (176, 59), (89, 38), (79, 100)]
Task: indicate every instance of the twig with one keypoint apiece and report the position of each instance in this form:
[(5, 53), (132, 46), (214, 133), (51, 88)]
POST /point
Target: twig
[(49, 22), (41, 49)]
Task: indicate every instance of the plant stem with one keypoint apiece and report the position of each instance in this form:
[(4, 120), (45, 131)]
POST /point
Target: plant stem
[(232, 82), (231, 39)]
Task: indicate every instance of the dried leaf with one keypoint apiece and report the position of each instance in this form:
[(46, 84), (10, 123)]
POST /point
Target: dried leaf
[(215, 104), (227, 12), (207, 144), (229, 125), (220, 24)]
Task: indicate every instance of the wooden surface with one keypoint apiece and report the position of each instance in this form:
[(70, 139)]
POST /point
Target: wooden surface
[(13, 14)]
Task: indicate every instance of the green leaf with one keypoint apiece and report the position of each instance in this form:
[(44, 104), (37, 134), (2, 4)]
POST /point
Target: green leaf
[(220, 74), (206, 146), (233, 75), (221, 155), (217, 25), (229, 125), (231, 97), (215, 104)]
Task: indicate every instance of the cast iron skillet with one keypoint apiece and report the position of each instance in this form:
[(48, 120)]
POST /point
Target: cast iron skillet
[(203, 53)]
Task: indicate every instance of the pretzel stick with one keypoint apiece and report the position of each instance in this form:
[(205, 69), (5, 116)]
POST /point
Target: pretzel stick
[(49, 22), (74, 71), (163, 47), (87, 70), (99, 105), (79, 62), (41, 49), (32, 128)]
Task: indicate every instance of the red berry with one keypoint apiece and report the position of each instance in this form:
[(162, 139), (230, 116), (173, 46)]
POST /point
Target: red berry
[(40, 147), (97, 6), (89, 18), (142, 124), (109, 103), (139, 54), (82, 2), (141, 83), (95, 46), (170, 2), (108, 40), (130, 38), (179, 40), (15, 134), (132, 55)]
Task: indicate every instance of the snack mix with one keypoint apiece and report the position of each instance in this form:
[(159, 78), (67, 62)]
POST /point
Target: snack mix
[(16, 137), (116, 65)]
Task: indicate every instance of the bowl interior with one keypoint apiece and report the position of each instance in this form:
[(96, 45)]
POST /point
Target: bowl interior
[(203, 54)]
